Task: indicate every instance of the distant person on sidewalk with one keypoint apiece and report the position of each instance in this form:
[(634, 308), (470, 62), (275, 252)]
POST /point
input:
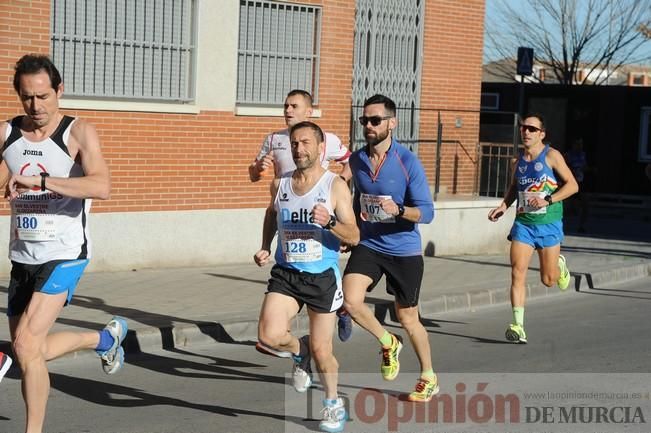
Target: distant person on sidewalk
[(311, 210), (578, 162), (276, 153), (55, 167), (538, 225), (392, 197)]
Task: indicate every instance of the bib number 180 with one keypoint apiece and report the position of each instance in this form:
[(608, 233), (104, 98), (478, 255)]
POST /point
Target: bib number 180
[(26, 222)]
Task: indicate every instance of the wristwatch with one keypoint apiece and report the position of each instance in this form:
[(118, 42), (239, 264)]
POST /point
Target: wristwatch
[(401, 210), (331, 223), (548, 199), (43, 176)]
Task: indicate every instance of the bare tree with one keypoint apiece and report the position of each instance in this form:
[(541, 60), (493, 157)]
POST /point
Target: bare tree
[(595, 36)]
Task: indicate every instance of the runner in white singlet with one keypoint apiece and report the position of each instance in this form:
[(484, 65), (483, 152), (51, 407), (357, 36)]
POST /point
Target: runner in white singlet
[(55, 167)]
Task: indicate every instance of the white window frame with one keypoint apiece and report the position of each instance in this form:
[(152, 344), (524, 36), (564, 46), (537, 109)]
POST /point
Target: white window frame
[(271, 62), (159, 61)]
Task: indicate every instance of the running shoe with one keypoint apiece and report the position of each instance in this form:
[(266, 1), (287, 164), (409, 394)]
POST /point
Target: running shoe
[(302, 371), (344, 325), (564, 278), (334, 416), (515, 334), (390, 366), (113, 358), (267, 350), (5, 363), (425, 390)]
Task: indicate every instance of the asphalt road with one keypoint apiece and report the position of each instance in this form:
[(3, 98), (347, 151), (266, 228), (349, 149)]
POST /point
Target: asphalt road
[(598, 340)]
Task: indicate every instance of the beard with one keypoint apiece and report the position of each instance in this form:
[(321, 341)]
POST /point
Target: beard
[(304, 163), (373, 140)]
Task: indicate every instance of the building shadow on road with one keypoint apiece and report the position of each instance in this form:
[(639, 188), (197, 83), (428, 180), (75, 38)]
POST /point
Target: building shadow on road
[(104, 394), (217, 368), (385, 313), (433, 327), (236, 278), (163, 323), (617, 293)]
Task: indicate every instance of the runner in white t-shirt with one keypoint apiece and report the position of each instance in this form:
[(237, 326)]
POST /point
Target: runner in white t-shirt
[(275, 148)]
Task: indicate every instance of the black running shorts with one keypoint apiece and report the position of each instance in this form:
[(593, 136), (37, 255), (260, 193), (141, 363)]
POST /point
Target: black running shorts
[(321, 292), (404, 274)]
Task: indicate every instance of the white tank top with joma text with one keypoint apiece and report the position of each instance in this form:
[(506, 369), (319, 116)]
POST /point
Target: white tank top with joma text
[(45, 225)]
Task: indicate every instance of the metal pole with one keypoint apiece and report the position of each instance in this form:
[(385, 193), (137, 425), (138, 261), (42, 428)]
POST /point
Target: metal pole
[(439, 135), (516, 132)]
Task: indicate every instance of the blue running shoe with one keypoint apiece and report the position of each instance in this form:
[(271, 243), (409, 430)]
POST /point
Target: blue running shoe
[(344, 325), (113, 358), (334, 416)]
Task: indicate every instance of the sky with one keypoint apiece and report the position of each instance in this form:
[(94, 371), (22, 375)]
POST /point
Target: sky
[(524, 6)]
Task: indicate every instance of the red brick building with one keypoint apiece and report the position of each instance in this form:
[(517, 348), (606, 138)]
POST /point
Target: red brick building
[(192, 154)]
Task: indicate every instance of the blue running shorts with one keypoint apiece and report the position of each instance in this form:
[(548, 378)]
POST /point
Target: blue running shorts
[(54, 277), (537, 235)]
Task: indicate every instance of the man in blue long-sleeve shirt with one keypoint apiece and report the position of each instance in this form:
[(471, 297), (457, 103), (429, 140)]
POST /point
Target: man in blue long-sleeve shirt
[(391, 197)]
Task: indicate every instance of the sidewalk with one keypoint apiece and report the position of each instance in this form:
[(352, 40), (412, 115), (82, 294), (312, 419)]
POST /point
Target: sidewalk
[(177, 307)]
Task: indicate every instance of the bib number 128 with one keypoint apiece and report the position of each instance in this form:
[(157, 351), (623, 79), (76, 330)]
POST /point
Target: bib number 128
[(295, 247)]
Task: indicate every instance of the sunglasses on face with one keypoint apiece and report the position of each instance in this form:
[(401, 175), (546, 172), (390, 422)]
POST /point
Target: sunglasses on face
[(375, 120), (530, 128)]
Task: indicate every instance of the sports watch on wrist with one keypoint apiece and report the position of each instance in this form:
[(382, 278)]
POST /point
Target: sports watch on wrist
[(548, 199), (43, 176), (331, 223), (401, 210)]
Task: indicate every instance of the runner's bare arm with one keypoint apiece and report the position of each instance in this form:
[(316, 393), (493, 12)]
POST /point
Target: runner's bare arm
[(269, 228), (96, 183), (346, 229), (569, 186)]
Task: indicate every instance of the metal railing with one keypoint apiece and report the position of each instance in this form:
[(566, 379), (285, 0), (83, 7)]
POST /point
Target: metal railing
[(498, 145), (492, 159)]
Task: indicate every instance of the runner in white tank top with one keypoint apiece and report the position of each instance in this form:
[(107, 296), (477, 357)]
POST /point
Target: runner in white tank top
[(312, 210), (45, 225), (55, 167)]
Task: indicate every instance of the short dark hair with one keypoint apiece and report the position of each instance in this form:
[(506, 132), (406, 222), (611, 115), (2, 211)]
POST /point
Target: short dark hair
[(305, 94), (318, 132), (389, 105), (538, 116), (33, 64)]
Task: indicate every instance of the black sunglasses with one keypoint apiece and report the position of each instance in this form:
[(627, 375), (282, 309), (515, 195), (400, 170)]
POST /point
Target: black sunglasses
[(375, 120), (530, 128)]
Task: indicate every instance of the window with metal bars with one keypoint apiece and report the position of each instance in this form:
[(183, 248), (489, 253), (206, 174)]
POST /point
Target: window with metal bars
[(278, 51), (124, 49)]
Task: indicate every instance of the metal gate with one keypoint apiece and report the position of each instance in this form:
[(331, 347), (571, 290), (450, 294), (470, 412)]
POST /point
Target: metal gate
[(499, 142), (388, 60)]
